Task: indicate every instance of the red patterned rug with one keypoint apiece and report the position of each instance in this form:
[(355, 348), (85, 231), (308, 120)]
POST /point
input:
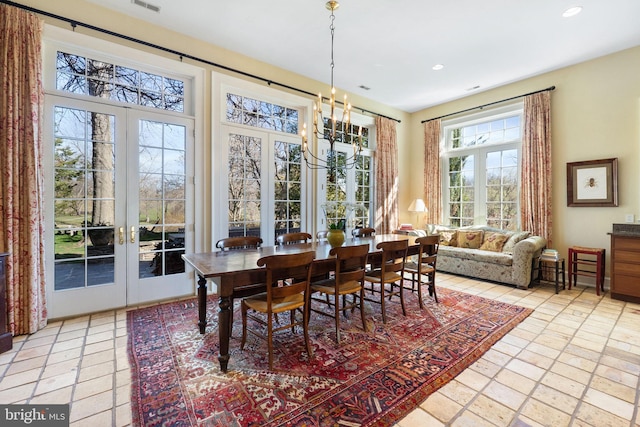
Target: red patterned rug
[(371, 379)]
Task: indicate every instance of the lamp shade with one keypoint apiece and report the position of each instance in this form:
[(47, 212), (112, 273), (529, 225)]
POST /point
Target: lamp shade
[(417, 205)]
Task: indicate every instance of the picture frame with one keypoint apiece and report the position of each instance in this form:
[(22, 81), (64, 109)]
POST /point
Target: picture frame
[(593, 183)]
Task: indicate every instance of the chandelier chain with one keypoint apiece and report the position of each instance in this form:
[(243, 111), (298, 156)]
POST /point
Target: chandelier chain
[(334, 130)]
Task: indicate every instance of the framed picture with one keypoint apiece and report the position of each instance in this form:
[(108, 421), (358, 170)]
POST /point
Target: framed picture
[(592, 183)]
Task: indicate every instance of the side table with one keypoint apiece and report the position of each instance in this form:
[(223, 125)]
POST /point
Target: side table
[(544, 267)]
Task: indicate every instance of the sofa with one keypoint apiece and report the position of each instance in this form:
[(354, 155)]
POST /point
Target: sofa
[(488, 253)]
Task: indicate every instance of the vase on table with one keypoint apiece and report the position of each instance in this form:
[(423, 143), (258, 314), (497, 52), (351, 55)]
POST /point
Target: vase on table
[(335, 237)]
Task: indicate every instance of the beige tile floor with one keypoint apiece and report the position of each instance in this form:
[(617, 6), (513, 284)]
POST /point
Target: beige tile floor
[(575, 361)]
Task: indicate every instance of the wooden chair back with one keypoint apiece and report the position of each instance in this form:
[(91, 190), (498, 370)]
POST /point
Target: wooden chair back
[(241, 242), (428, 251), (394, 255), (364, 232), (291, 238), (291, 271), (351, 263)]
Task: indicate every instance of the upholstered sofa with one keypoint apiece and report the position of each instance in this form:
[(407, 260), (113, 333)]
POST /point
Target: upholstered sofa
[(488, 253)]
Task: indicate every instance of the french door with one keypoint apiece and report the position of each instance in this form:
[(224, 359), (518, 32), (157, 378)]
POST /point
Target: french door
[(119, 205), (263, 186)]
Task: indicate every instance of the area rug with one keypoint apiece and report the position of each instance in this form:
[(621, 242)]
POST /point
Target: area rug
[(372, 378)]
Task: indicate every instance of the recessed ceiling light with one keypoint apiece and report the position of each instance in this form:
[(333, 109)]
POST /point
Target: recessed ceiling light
[(473, 88), (572, 11), (438, 67), (364, 87)]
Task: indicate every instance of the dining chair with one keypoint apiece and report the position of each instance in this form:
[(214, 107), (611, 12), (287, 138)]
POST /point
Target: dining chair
[(291, 238), (348, 279), (235, 244), (241, 242), (364, 232), (389, 272), (424, 265), (293, 273)]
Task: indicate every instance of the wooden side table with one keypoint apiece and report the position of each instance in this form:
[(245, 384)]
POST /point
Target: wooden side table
[(553, 268), (587, 262)]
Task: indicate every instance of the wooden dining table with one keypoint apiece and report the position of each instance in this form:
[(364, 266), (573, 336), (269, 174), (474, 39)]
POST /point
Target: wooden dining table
[(234, 269)]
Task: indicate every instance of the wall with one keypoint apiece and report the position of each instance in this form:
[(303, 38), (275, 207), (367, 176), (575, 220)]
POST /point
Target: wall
[(595, 115)]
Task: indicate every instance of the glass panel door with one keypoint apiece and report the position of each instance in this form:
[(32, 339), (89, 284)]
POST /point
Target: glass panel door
[(159, 208), (85, 142), (120, 214), (264, 186)]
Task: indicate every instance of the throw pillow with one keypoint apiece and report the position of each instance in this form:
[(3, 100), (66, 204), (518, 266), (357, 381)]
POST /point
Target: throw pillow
[(494, 241), (470, 239), (515, 238), (448, 237)]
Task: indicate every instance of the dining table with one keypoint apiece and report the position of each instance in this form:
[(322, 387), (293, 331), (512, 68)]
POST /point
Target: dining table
[(234, 269)]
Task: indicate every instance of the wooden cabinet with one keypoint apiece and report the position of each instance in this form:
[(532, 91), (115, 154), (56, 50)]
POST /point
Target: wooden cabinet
[(6, 340), (625, 266)]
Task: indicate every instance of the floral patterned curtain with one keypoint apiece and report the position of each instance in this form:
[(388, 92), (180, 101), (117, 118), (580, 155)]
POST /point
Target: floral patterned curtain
[(535, 197), (21, 175), (432, 177), (386, 219)]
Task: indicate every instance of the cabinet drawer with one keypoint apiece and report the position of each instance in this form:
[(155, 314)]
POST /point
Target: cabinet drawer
[(626, 256), (627, 285), (626, 244), (628, 269)]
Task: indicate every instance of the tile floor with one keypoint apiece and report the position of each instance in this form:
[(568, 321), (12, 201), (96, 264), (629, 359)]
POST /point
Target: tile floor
[(575, 361)]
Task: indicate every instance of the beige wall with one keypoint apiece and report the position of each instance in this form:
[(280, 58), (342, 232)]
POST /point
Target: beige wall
[(595, 115)]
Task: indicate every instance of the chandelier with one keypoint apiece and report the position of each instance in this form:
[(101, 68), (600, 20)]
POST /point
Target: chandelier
[(329, 128)]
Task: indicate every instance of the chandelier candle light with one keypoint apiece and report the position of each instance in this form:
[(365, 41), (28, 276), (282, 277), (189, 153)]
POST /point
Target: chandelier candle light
[(333, 134)]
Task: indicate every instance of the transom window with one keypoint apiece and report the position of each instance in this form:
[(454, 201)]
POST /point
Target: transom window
[(261, 114), (86, 76), (481, 168)]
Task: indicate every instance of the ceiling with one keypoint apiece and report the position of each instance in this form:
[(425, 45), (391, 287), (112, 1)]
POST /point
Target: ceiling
[(391, 46)]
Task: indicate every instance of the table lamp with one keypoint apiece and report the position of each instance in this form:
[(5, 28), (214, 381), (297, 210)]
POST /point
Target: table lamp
[(418, 206)]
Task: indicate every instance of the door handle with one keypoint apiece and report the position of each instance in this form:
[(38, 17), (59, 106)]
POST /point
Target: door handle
[(121, 235), (133, 234)]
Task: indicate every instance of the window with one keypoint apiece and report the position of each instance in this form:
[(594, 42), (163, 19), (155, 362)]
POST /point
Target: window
[(252, 112), (481, 164), (86, 76), (351, 187)]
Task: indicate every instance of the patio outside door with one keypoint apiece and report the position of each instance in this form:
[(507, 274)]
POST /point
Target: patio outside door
[(119, 206)]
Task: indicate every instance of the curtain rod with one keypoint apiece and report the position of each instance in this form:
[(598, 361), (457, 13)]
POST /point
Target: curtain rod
[(182, 55), (491, 103)]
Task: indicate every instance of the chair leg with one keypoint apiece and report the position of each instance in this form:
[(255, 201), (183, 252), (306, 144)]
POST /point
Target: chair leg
[(364, 323), (382, 307), (270, 340), (231, 306), (420, 303), (305, 331), (432, 286), (337, 315), (244, 325), (404, 312)]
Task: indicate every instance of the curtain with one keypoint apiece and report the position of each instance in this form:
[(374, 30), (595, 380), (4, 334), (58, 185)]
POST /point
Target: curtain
[(386, 219), (535, 197), (432, 177), (21, 174)]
